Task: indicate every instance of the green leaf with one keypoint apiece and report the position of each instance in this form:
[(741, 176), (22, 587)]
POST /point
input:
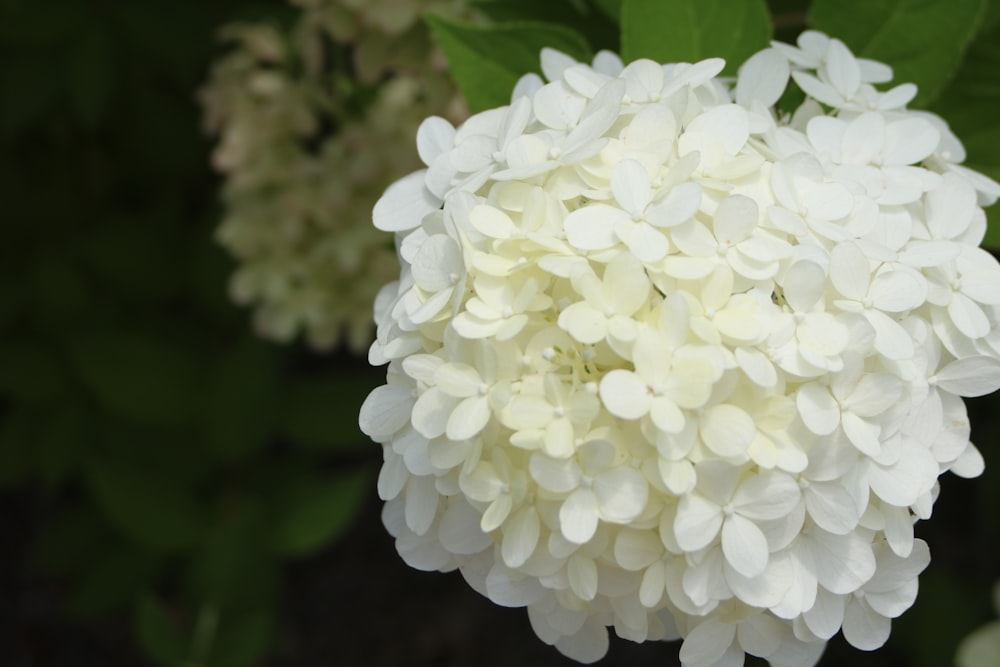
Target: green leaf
[(669, 31), (613, 8), (239, 399), (923, 40), (72, 541), (139, 375), (34, 24), (63, 442), (135, 258), (589, 21), (243, 640), (37, 78), (313, 512), (91, 72), (486, 61), (159, 635), (233, 567), (18, 437), (322, 413), (153, 511), (114, 580), (60, 292), (30, 371)]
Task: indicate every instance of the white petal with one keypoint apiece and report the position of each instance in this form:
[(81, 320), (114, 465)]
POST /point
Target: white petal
[(592, 227), (804, 285), (666, 415), (697, 522), (891, 339), (842, 68), (637, 549), (970, 464), (727, 430), (496, 513), (434, 136), (767, 496), (431, 412), (677, 207), (508, 589), (968, 316), (744, 545), (863, 139), (582, 574), (762, 78), (558, 476), (625, 279), (909, 141), (621, 494), (624, 394), (459, 530), (850, 271), (587, 646), (578, 516), (560, 439), (404, 204), (392, 476), (727, 122), (827, 615), (761, 635), (648, 245), (832, 507), (863, 628), (735, 218), (520, 536), (972, 376), (458, 380), (898, 532), (757, 366), (585, 323), (896, 291), (842, 563), (385, 411), (421, 504), (901, 483), (630, 186), (863, 435), (827, 201), (707, 642), (654, 581), (819, 410), (468, 418), (492, 222), (767, 589)]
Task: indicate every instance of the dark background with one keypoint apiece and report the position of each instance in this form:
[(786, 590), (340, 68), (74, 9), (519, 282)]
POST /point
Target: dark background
[(165, 477)]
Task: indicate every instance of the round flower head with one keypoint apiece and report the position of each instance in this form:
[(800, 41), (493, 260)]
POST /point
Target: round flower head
[(664, 359)]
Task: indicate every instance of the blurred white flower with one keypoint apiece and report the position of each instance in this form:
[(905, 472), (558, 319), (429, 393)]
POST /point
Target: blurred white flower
[(666, 360), (303, 168), (982, 647)]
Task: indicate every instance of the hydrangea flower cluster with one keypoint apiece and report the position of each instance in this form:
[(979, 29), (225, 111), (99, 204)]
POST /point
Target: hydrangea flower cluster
[(664, 359), (287, 118)]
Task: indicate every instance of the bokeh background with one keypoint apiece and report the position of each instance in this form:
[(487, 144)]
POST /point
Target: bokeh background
[(185, 285)]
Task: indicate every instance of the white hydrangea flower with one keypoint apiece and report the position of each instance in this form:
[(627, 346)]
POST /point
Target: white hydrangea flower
[(666, 360)]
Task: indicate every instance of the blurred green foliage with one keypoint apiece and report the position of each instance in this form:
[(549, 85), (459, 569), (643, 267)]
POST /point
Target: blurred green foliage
[(185, 460)]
